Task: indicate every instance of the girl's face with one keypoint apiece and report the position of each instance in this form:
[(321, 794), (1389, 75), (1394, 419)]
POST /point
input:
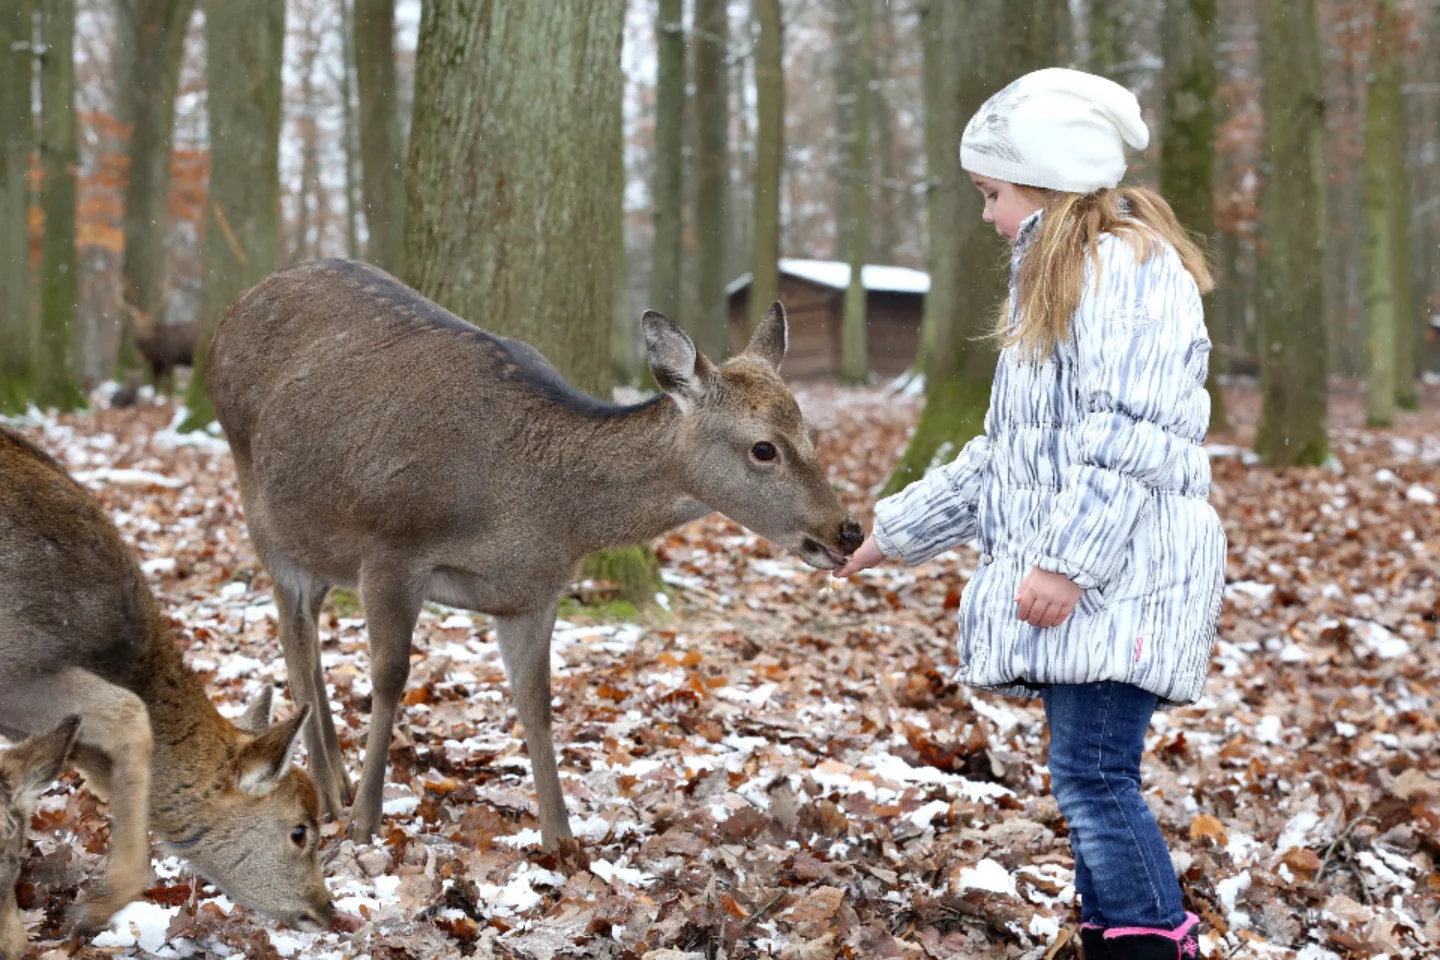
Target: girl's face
[(1006, 205)]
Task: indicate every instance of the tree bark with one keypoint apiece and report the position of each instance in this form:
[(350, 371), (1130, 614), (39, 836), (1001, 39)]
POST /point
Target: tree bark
[(347, 72), (970, 54), (1108, 33), (381, 153), (1386, 76), (57, 385), (711, 328), (511, 218), (244, 54), (1293, 354), (1187, 151), (668, 185), (1391, 379), (854, 357), (151, 38), (18, 335), (769, 157)]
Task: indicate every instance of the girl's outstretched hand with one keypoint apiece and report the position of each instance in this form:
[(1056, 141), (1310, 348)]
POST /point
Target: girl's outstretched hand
[(867, 556), (1046, 599)]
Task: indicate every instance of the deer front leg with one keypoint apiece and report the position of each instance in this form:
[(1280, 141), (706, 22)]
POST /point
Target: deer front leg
[(115, 735), (391, 607), (525, 648), (299, 601)]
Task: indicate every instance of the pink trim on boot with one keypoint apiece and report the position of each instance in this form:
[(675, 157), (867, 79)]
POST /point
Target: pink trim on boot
[(1091, 926), (1188, 948)]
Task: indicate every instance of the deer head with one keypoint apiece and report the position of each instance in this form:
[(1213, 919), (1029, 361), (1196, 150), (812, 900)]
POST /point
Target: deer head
[(746, 449)]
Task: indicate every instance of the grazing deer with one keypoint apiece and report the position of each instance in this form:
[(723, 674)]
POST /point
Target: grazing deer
[(26, 769), (81, 633), (383, 442)]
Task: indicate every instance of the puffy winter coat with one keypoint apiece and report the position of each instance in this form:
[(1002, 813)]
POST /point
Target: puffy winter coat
[(1092, 465)]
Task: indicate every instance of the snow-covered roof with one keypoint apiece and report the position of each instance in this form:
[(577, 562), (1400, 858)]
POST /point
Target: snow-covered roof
[(836, 275)]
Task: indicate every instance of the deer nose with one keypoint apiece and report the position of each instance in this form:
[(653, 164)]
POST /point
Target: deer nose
[(851, 535)]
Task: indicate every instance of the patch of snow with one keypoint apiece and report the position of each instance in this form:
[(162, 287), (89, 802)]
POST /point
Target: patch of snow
[(923, 816), (1268, 730), (1346, 730), (524, 838), (1382, 642), (611, 872), (754, 697), (987, 875), (1419, 494), (158, 565), (127, 478), (233, 668), (140, 923), (1229, 889), (400, 806), (1386, 476), (1297, 831)]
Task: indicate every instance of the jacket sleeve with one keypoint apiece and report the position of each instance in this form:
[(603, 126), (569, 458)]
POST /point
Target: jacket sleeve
[(936, 512), (1135, 373)]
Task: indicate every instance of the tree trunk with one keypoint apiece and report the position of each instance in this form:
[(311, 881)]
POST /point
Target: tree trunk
[(510, 222), (1292, 224), (668, 185), (18, 336), (146, 78), (307, 205), (244, 45), (57, 385), (970, 54), (381, 154), (769, 158), (1187, 152), (892, 208), (1386, 75), (1108, 33), (854, 358), (711, 328), (511, 218), (844, 37), (347, 72), (1391, 379)]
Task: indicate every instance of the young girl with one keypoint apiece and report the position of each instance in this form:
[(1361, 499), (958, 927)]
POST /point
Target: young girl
[(1101, 560)]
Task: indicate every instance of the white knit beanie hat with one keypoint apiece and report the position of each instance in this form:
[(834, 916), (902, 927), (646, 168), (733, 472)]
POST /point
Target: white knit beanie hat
[(1056, 128)]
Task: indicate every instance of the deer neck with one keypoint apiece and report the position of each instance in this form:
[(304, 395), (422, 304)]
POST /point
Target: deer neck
[(627, 477), (193, 745)]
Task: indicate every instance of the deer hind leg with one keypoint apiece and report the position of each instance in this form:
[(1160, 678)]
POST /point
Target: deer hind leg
[(298, 595), (392, 603), (116, 741), (525, 648)]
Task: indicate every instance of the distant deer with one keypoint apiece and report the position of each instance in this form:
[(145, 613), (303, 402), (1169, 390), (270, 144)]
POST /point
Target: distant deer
[(163, 347), (26, 769), (81, 633), (383, 442)]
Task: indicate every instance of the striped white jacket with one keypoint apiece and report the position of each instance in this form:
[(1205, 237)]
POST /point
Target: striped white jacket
[(1092, 465)]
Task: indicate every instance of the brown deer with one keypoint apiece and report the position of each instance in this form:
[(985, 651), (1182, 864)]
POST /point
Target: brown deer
[(383, 442), (26, 769), (81, 633)]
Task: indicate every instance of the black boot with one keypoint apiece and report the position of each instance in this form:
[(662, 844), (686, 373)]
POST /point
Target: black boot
[(1092, 942), (1142, 943)]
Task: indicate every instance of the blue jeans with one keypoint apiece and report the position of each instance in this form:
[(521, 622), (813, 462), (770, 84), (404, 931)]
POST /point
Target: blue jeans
[(1122, 866)]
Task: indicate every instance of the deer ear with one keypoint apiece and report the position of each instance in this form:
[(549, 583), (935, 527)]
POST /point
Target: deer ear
[(256, 718), (266, 759), (771, 337), (680, 370), (34, 762)]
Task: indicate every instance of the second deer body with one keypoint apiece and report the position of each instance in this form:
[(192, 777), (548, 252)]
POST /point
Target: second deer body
[(382, 442)]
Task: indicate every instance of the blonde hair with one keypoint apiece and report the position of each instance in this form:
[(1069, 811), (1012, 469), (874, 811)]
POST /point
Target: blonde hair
[(1052, 274)]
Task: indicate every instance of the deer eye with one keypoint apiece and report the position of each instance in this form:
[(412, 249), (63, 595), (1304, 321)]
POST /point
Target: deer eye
[(764, 451), (299, 835)]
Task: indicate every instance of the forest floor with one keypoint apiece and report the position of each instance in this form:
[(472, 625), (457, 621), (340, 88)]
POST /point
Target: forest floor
[(774, 769)]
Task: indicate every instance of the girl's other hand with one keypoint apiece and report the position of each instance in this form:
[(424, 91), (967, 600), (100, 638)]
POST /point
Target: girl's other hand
[(867, 556), (1046, 599)]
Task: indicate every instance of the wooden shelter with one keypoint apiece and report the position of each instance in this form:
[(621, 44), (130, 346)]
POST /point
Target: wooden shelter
[(813, 292)]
